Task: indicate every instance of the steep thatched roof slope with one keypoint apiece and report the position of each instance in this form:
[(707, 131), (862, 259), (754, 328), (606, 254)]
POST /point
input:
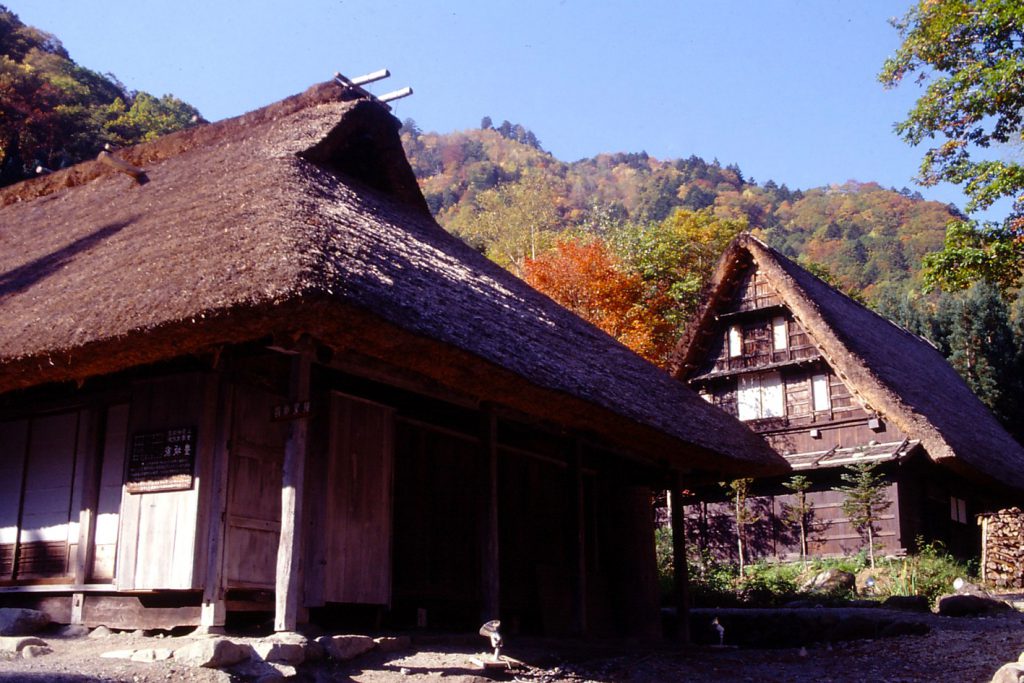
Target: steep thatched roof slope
[(893, 371), (305, 217)]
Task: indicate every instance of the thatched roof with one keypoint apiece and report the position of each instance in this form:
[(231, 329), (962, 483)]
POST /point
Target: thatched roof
[(891, 370), (305, 217)]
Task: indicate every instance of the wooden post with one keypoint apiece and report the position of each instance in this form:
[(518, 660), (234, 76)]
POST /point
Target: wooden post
[(293, 474), (214, 610), (681, 578), (984, 549), (91, 445), (577, 539), (490, 602), (77, 607)]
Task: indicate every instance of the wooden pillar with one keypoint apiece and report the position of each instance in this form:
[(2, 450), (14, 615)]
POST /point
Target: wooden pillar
[(90, 447), (984, 548), (577, 539), (490, 589), (293, 475), (681, 578), (214, 609)]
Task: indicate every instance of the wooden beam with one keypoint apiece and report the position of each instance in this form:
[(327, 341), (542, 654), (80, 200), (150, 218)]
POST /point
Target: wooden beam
[(681, 577), (293, 474), (577, 538), (489, 562)]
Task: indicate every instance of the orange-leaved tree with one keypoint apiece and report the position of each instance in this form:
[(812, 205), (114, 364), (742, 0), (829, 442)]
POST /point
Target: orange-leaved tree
[(583, 275)]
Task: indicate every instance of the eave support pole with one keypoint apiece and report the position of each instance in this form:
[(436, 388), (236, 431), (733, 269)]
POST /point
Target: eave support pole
[(214, 609), (577, 539), (293, 474), (681, 575), (490, 603)]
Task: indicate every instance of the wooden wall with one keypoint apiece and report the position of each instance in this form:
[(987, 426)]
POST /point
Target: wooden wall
[(711, 525), (111, 482), (436, 533), (356, 543), (160, 548), (48, 464), (919, 493)]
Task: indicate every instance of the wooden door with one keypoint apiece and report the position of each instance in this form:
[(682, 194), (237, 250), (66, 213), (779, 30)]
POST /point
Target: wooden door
[(358, 503), (254, 491)]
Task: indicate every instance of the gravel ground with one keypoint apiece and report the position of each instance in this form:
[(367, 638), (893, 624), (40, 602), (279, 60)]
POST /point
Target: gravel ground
[(956, 650)]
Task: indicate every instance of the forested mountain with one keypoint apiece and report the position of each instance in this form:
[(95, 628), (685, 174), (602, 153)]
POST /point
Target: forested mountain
[(871, 239), (54, 113)]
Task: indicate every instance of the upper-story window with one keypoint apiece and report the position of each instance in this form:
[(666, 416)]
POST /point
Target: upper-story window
[(819, 392), (735, 341), (760, 396), (780, 333)]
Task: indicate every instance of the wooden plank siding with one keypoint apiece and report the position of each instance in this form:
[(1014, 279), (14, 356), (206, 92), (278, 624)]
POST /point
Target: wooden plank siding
[(357, 543), (436, 548), (111, 485), (13, 451), (159, 546), (253, 515), (773, 536)]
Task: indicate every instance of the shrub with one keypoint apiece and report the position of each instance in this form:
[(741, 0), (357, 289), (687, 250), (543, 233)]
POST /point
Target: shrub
[(713, 583), (929, 572)]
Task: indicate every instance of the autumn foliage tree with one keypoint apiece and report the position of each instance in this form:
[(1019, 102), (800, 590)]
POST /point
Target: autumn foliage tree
[(54, 113), (968, 55), (584, 276), (512, 222), (675, 257)]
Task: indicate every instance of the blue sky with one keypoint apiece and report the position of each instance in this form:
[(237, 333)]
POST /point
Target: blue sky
[(785, 89)]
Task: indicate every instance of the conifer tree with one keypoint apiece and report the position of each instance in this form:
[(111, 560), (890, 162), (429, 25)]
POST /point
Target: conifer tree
[(800, 513), (864, 501)]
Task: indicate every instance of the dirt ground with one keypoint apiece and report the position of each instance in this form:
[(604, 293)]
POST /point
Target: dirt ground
[(957, 650)]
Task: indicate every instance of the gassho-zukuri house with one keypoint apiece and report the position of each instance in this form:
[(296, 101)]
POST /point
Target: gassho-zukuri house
[(828, 382), (251, 373)]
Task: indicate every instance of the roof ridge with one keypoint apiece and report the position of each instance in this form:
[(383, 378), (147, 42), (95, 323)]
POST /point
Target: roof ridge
[(170, 145)]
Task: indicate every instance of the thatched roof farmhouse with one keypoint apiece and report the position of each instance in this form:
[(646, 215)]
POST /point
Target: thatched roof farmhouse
[(829, 382), (264, 363)]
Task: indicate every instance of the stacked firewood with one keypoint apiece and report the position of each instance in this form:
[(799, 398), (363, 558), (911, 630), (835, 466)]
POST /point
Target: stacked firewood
[(1003, 552)]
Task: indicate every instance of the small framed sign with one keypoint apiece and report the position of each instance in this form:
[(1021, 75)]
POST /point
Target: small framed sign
[(161, 460)]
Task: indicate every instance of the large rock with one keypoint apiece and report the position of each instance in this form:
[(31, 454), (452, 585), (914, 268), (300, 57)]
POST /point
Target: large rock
[(14, 644), (152, 654), (212, 653), (872, 582), (286, 648), (907, 603), (344, 648), (393, 643), (33, 651), (100, 632), (829, 581), (263, 672), (968, 604), (1009, 673), (15, 621)]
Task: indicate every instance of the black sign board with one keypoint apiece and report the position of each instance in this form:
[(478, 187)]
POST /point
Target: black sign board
[(161, 460)]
